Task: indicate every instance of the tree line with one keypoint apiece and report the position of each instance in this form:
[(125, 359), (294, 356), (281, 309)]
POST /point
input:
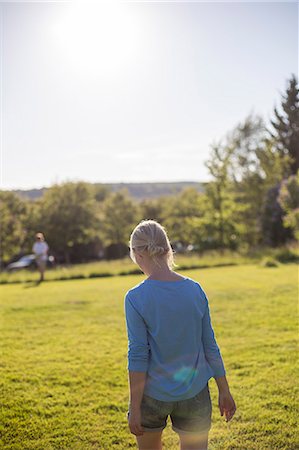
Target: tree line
[(252, 200)]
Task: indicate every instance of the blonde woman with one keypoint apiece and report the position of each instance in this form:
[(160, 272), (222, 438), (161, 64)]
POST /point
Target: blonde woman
[(172, 349)]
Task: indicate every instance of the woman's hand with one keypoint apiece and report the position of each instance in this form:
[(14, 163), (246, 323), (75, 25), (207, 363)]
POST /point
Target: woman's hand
[(135, 421), (227, 405)]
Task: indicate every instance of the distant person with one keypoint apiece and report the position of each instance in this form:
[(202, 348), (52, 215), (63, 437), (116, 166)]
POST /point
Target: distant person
[(40, 249), (172, 349)]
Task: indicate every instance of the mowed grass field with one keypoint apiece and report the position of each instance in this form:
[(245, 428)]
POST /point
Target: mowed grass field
[(64, 367), (126, 266)]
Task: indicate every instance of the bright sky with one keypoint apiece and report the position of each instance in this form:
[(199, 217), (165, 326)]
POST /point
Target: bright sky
[(134, 92)]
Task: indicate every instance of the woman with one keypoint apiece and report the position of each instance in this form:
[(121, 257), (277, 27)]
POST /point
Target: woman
[(172, 349), (40, 249)]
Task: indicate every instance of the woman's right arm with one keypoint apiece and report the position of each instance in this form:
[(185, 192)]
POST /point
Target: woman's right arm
[(211, 348), (226, 402), (222, 384)]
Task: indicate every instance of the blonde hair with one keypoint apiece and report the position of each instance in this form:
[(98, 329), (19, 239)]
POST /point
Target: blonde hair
[(150, 236)]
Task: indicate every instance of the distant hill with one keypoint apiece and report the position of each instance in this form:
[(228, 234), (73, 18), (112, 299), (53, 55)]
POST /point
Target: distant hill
[(142, 191), (139, 191), (32, 194)]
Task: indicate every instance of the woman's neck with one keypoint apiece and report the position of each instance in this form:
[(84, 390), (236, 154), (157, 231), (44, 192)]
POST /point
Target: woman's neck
[(163, 274)]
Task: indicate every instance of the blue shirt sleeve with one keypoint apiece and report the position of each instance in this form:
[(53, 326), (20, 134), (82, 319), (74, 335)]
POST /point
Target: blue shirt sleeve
[(211, 349), (138, 351)]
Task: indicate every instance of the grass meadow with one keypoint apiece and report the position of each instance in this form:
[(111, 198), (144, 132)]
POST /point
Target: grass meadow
[(123, 266), (63, 361)]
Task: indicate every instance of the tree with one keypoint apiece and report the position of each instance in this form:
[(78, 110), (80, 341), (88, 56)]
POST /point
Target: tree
[(242, 144), (256, 169), (32, 223), (289, 200), (286, 125), (12, 212), (217, 190), (118, 217), (222, 206), (180, 216), (273, 166), (151, 209), (68, 216), (246, 169), (273, 231), (100, 191)]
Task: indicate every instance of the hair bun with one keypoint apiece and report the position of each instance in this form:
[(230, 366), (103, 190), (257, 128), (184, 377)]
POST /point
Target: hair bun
[(150, 237), (154, 249)]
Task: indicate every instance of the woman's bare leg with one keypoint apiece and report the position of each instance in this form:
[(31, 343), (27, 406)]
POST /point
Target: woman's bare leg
[(196, 441), (150, 440)]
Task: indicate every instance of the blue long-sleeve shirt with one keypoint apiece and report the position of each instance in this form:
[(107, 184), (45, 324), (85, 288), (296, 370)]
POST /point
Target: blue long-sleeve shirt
[(171, 338)]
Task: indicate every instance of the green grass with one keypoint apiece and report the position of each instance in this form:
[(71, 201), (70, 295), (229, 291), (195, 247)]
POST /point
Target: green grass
[(123, 266), (63, 382)]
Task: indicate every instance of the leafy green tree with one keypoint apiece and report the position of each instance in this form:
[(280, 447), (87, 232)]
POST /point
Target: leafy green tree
[(13, 213), (69, 216), (245, 169), (242, 144), (100, 192), (119, 215), (272, 165), (246, 143), (256, 168), (152, 209), (180, 216), (289, 200), (274, 232), (286, 125), (224, 229), (218, 190), (224, 207), (32, 223)]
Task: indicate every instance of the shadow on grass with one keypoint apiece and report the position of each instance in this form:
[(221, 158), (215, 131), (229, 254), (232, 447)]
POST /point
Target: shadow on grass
[(32, 284)]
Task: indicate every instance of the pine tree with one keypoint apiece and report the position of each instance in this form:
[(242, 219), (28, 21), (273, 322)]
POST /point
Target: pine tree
[(286, 125)]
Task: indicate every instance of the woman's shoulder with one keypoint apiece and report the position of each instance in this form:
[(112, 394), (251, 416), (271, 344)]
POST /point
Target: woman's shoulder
[(193, 282), (135, 290), (197, 288), (138, 291)]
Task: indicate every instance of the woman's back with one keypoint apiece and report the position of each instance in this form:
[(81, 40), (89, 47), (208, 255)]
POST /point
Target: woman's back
[(168, 325), (172, 348)]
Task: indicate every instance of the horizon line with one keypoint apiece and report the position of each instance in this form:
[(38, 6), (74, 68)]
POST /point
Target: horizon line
[(103, 183)]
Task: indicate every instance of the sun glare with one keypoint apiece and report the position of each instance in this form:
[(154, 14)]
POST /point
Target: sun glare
[(98, 38)]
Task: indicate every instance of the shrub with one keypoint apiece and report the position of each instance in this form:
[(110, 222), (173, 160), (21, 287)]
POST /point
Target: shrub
[(285, 255), (269, 262)]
